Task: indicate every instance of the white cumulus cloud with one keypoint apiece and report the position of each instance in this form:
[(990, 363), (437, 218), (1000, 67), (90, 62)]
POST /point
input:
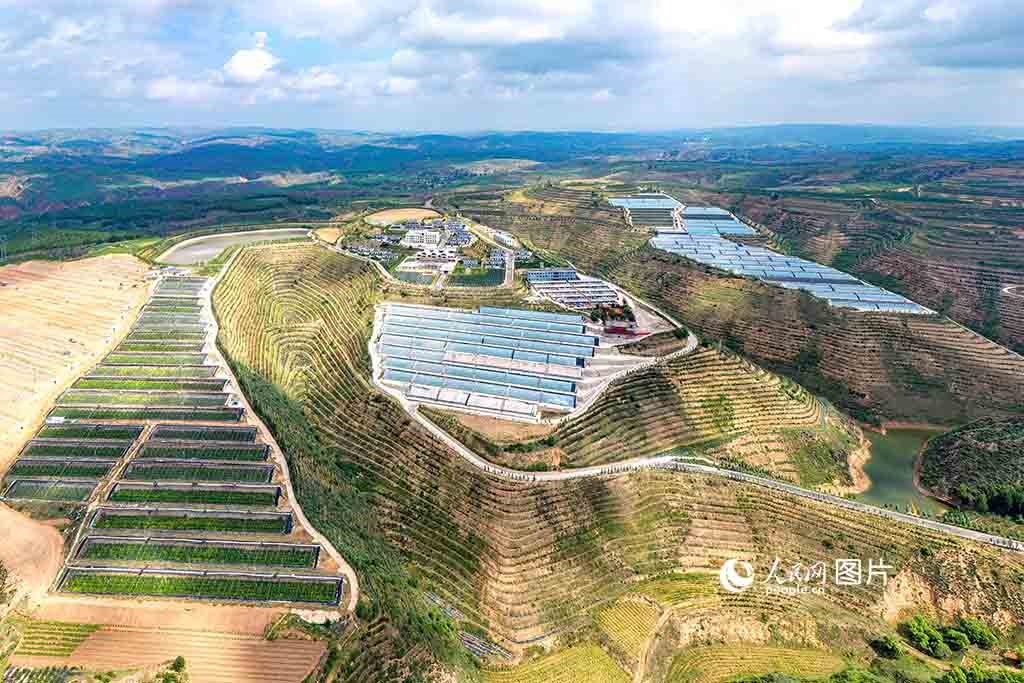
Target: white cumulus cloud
[(251, 65)]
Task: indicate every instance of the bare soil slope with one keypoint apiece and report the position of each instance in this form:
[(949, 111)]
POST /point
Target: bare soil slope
[(58, 319)]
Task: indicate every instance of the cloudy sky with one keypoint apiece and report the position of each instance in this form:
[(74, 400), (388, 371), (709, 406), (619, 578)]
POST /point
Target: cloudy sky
[(512, 64)]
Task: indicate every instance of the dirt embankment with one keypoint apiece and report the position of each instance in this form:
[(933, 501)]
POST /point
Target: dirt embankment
[(390, 216), (856, 461), (32, 552)]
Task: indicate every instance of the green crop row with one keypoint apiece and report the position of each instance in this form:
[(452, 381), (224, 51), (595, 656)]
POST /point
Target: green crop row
[(202, 587), (272, 556), (161, 347), (38, 449), (59, 469), (174, 308), (265, 525), (100, 413), (203, 433), (166, 335), (197, 496), (255, 453), (155, 359), (249, 475), (79, 431), (34, 490), (74, 397), (130, 383), (144, 371)]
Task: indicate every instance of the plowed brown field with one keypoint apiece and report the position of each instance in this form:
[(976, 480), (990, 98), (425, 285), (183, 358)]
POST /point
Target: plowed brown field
[(210, 657)]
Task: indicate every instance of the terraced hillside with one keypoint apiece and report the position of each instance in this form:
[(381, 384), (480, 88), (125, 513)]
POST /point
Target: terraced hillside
[(873, 366), (984, 456), (953, 244), (708, 402), (522, 562)]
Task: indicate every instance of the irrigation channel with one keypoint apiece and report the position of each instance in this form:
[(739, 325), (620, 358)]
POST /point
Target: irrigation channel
[(200, 250)]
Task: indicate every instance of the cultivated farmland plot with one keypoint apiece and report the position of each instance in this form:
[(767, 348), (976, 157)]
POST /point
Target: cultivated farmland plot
[(184, 433), (160, 346), (85, 450), (148, 413), (197, 494), (50, 638), (208, 585), (81, 469), (153, 372), (164, 519), (43, 489), (166, 335), (47, 674), (192, 551), (155, 359), (89, 431), (150, 384), (178, 471), (174, 299), (172, 305), (176, 450), (140, 398)]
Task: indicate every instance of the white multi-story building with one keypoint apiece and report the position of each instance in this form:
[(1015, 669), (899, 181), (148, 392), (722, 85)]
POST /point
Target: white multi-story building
[(423, 238)]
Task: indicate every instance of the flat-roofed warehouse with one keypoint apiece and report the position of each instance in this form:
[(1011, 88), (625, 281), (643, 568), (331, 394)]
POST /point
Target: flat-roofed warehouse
[(578, 294), (496, 360), (653, 209)]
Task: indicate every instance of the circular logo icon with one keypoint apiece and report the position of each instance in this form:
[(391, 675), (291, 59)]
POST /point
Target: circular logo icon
[(736, 576)]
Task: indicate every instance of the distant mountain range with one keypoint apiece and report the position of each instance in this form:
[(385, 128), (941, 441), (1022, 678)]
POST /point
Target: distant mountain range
[(20, 146)]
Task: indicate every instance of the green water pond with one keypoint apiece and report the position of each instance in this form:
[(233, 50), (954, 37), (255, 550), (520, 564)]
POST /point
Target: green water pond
[(891, 470)]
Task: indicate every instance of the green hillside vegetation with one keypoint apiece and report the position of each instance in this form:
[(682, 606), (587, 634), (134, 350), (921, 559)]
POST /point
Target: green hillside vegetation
[(517, 560), (980, 465)]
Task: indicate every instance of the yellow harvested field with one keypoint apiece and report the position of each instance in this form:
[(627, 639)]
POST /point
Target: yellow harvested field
[(329, 235), (390, 216), (579, 664), (58, 319), (210, 657), (723, 662), (681, 589), (628, 623)]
